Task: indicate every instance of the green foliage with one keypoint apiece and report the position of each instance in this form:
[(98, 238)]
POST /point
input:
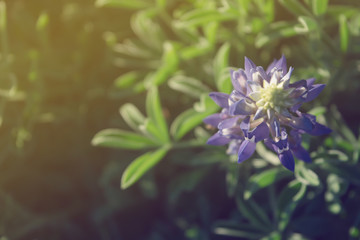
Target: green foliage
[(141, 165), (66, 67)]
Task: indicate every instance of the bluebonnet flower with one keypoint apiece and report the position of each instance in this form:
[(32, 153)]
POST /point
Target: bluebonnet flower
[(264, 105)]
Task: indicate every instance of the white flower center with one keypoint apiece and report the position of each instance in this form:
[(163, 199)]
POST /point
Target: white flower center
[(273, 96)]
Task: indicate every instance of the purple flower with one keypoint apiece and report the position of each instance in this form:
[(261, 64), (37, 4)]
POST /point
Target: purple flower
[(264, 105)]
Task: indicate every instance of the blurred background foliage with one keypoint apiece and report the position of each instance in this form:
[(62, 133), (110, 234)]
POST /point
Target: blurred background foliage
[(66, 68)]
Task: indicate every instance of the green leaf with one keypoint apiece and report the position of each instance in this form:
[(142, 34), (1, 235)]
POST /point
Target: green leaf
[(141, 165), (318, 111), (3, 17), (186, 182), (169, 64), (344, 170), (155, 114), (151, 130), (210, 31), (224, 82), (206, 104), (237, 233), (232, 177), (133, 4), (319, 7), (288, 200), (161, 3), (126, 80), (146, 28), (191, 118), (42, 22), (307, 24), (202, 16), (276, 31), (343, 129), (185, 122), (251, 211), (266, 154), (132, 116), (117, 138), (295, 7), (199, 49), (344, 33), (264, 179), (187, 85), (306, 176), (221, 62), (234, 229)]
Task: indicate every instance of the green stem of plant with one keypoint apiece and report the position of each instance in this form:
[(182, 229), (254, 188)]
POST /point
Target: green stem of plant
[(187, 144), (273, 204)]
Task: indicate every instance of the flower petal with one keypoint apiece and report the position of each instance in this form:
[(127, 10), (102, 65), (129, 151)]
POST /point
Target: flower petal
[(301, 154), (228, 123), (248, 66), (286, 79), (213, 119), (310, 81), (221, 99), (247, 148), (274, 127), (233, 147), (281, 64), (255, 95), (217, 139), (276, 76), (254, 86), (300, 83), (271, 66), (287, 159), (314, 92), (261, 112), (245, 124), (238, 79), (260, 132), (319, 129), (302, 123), (269, 144), (243, 107), (258, 75)]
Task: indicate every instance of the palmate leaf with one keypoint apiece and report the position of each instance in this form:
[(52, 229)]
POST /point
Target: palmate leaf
[(141, 165), (117, 138)]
